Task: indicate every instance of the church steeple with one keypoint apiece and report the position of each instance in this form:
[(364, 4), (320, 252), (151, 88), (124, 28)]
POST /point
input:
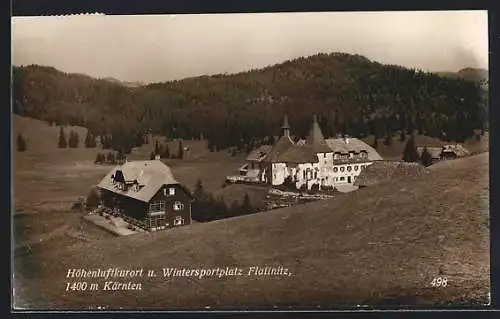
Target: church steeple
[(286, 127)]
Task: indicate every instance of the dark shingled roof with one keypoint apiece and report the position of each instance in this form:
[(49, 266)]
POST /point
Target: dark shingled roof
[(285, 123), (281, 146), (299, 154), (381, 171)]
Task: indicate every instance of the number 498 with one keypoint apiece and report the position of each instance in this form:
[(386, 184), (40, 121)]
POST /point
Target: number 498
[(439, 282)]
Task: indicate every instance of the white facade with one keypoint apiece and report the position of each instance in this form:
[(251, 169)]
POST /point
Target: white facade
[(324, 173), (348, 172), (279, 172), (316, 161)]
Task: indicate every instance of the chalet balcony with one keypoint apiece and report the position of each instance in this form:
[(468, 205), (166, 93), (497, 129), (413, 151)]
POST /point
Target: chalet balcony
[(242, 179)]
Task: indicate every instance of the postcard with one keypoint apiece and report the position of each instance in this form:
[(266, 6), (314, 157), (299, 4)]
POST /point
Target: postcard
[(318, 160)]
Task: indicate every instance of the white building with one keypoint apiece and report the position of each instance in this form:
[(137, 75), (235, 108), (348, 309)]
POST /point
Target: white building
[(314, 161)]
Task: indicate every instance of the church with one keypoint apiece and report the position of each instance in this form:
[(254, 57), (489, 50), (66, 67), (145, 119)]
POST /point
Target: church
[(313, 162)]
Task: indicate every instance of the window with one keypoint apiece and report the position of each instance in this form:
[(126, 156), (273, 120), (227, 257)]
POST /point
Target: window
[(178, 206), (171, 191), (157, 206), (157, 222), (178, 220), (156, 213), (335, 169), (304, 173), (356, 167), (342, 178), (349, 168), (364, 154), (342, 169), (315, 175)]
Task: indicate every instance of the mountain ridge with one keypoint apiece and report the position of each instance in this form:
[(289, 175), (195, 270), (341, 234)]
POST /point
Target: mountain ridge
[(346, 91)]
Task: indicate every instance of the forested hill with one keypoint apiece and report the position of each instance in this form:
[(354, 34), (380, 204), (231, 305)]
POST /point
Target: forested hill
[(350, 93), (477, 75)]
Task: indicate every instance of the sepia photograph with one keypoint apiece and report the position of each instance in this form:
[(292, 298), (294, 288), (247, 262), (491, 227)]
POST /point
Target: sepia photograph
[(250, 161)]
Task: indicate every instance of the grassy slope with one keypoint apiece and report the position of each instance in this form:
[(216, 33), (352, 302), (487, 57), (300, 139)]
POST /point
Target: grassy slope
[(45, 175), (377, 245)]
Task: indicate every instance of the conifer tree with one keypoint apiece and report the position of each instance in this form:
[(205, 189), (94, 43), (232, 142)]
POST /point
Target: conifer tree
[(157, 148), (388, 139), (62, 138), (73, 140), (104, 142), (89, 140), (21, 143), (426, 157), (166, 152), (181, 150), (198, 190), (410, 153), (110, 158)]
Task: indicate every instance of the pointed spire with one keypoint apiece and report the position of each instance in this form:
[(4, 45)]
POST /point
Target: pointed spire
[(285, 122), (286, 127), (316, 138)]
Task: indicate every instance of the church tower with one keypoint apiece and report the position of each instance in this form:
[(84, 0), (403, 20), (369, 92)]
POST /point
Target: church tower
[(286, 127)]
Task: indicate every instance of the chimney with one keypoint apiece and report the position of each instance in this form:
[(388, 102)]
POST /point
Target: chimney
[(157, 157)]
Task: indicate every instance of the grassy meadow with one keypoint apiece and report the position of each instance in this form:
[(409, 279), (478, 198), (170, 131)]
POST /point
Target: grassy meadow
[(377, 246)]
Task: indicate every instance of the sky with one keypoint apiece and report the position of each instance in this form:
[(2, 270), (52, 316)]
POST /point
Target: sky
[(157, 48)]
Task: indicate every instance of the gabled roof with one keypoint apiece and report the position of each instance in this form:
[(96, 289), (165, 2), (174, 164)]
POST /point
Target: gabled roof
[(149, 175), (259, 153), (346, 145)]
